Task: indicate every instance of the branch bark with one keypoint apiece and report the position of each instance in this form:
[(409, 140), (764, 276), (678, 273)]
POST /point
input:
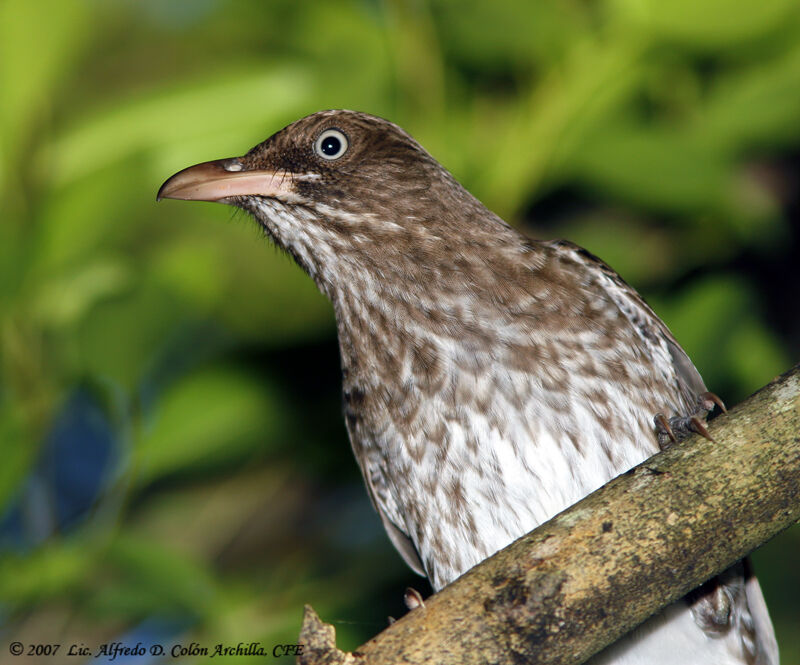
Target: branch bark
[(597, 570)]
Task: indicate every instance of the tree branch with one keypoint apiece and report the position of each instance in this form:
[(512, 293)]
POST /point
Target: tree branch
[(585, 578)]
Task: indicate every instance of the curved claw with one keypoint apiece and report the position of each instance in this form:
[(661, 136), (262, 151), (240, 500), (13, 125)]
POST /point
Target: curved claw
[(709, 399), (664, 426), (413, 599), (699, 427)]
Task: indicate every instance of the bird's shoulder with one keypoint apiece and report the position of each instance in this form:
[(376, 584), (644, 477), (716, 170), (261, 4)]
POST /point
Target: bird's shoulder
[(600, 278)]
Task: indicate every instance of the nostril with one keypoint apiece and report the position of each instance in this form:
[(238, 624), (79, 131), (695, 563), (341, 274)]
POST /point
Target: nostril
[(232, 165)]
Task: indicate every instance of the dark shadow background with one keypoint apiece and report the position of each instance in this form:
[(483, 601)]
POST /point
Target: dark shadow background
[(174, 467)]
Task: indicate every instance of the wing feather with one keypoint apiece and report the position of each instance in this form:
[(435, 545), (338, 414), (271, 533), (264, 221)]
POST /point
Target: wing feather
[(733, 599)]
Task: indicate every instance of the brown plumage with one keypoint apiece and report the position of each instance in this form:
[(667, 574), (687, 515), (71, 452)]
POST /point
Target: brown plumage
[(489, 380)]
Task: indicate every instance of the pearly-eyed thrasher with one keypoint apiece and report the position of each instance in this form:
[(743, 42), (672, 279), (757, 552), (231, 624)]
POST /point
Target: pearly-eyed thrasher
[(490, 380)]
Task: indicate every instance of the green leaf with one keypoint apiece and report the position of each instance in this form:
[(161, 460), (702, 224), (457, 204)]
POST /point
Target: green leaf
[(717, 322), (660, 168), (39, 41), (756, 105), (222, 112), (708, 25), (756, 355), (57, 568), (16, 450), (151, 578), (207, 418), (66, 299), (119, 339)]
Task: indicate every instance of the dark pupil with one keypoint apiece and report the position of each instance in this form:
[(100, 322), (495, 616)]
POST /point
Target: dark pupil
[(331, 145)]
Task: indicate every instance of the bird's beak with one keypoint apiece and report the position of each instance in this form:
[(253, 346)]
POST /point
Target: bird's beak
[(223, 179)]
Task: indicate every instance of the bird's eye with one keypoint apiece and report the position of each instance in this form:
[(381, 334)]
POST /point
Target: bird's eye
[(331, 144)]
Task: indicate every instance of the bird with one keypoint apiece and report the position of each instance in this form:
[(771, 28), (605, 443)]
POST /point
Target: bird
[(489, 380)]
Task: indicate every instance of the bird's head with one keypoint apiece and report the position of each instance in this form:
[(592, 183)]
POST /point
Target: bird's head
[(344, 190), (331, 158)]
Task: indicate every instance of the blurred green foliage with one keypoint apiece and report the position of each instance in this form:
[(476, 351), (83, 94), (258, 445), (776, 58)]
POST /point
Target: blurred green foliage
[(663, 136)]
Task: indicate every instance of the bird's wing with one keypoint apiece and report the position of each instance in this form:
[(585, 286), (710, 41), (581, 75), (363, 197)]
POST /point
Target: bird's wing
[(733, 599), (652, 329), (380, 499), (767, 653), (404, 545)]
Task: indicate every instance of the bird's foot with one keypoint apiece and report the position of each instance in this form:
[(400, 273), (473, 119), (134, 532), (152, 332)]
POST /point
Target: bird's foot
[(674, 430), (412, 600)]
